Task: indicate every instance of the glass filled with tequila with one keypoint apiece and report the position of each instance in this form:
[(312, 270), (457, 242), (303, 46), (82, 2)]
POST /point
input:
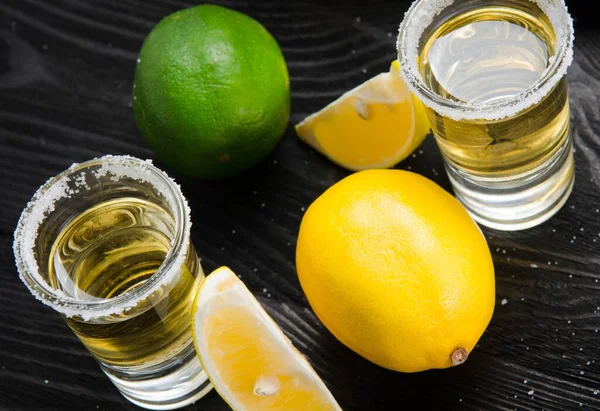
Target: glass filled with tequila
[(492, 75), (107, 244)]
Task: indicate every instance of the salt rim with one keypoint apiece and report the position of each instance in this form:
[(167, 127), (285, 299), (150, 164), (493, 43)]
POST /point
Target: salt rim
[(42, 204), (421, 14)]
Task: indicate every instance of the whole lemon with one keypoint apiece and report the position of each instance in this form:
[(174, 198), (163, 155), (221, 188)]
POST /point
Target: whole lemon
[(211, 91), (397, 270)]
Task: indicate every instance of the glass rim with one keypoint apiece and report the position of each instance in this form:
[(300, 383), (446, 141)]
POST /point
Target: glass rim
[(422, 13), (41, 206)]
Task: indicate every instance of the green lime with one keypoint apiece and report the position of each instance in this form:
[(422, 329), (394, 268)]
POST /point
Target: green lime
[(211, 92)]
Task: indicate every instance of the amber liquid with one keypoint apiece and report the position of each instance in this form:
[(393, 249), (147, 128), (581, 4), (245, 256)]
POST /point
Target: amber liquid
[(491, 54), (112, 249)]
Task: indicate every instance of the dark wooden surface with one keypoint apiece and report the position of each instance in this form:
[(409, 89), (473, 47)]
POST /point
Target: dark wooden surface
[(66, 69)]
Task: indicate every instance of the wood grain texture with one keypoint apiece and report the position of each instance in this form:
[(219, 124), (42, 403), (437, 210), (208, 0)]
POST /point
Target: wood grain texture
[(66, 70)]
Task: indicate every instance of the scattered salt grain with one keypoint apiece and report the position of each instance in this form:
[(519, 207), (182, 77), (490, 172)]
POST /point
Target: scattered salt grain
[(263, 205), (524, 381), (358, 19), (364, 70), (530, 392), (504, 301), (264, 290), (533, 266), (232, 231)]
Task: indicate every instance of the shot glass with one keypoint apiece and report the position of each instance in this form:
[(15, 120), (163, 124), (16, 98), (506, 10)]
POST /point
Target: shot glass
[(107, 244), (492, 76)]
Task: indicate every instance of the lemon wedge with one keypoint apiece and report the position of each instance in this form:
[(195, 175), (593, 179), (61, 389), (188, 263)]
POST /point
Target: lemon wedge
[(375, 125), (250, 362)]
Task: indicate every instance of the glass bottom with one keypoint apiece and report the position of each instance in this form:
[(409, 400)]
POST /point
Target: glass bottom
[(177, 383), (522, 201)]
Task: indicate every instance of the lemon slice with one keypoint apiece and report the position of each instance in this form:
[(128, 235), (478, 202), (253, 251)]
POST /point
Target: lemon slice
[(250, 362), (375, 125)]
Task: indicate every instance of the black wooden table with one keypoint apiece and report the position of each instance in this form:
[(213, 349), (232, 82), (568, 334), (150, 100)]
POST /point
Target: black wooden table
[(66, 70)]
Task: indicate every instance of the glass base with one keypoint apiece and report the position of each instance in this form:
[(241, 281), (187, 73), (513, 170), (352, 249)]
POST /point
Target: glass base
[(178, 383), (521, 202)]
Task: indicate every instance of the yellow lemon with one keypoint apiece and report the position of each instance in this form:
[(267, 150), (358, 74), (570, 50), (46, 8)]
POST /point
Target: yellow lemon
[(397, 270), (376, 125), (249, 361)]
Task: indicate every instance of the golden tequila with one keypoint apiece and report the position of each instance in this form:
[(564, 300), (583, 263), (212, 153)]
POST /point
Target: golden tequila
[(107, 245), (488, 54), (113, 248), (492, 76)]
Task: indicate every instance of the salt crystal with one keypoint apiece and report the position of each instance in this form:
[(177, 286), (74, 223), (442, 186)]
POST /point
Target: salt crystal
[(504, 301), (524, 381), (530, 392), (534, 266)]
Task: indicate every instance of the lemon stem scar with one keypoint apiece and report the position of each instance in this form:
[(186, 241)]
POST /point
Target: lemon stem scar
[(265, 386), (459, 356)]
